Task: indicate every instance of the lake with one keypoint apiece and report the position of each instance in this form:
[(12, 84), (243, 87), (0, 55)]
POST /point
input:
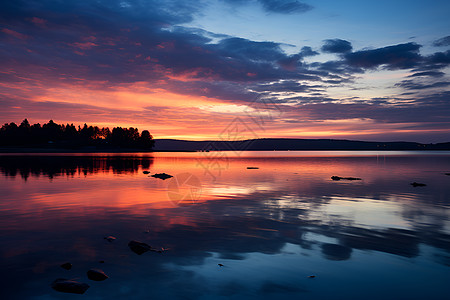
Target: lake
[(276, 222)]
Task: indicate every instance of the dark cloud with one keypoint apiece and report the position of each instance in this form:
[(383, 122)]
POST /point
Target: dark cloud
[(401, 56), (214, 89), (250, 50), (445, 41), (439, 58), (413, 85), (288, 86), (337, 67), (430, 109), (336, 46), (285, 6), (277, 6), (118, 42), (308, 51), (428, 73)]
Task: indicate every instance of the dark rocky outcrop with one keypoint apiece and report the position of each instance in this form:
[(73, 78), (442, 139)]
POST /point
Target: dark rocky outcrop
[(162, 176), (139, 247), (66, 266), (69, 286), (96, 275), (344, 178)]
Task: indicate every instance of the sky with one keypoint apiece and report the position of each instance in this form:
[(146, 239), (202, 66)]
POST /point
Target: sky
[(231, 69)]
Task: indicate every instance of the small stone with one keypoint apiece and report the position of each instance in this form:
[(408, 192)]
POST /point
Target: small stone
[(415, 184), (66, 266), (312, 276), (110, 238), (69, 286), (146, 172), (139, 247), (220, 265), (162, 176), (96, 275), (252, 168), (344, 178)]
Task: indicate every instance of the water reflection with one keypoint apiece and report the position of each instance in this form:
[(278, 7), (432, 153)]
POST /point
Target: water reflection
[(270, 228), (51, 166)]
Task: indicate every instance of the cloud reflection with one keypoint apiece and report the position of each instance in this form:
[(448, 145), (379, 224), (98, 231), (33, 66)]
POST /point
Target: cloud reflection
[(297, 223)]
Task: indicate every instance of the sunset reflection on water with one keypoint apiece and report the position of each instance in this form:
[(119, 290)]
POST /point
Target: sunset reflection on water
[(271, 227)]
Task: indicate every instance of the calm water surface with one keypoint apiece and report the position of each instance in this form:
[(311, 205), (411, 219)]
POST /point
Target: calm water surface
[(271, 227)]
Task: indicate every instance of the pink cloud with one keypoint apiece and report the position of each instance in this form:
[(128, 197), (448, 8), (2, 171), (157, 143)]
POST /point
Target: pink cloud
[(85, 45), (39, 21), (15, 34)]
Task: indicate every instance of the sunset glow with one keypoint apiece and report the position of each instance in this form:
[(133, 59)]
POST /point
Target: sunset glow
[(188, 69)]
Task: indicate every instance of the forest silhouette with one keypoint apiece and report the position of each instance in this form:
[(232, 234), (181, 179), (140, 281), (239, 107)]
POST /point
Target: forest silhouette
[(55, 135)]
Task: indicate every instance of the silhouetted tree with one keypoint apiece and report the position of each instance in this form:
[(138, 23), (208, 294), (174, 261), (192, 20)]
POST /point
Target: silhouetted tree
[(69, 136), (146, 139)]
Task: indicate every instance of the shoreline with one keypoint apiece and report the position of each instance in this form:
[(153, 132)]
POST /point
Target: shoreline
[(17, 150)]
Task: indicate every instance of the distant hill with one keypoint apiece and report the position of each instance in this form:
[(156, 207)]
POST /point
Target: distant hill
[(291, 144)]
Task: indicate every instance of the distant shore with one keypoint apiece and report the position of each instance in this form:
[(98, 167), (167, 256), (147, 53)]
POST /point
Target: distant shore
[(169, 145)]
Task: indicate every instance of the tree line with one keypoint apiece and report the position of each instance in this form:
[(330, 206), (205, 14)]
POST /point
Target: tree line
[(53, 134)]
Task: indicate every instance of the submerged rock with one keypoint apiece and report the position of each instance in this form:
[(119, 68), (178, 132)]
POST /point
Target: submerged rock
[(220, 265), (139, 247), (66, 266), (69, 286), (96, 275), (415, 184), (252, 168), (110, 238), (146, 172), (312, 276), (344, 178), (162, 176), (448, 174)]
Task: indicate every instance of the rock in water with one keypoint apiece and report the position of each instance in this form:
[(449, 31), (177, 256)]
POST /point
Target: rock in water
[(352, 178), (162, 176), (414, 184), (139, 247), (110, 238), (97, 275), (69, 286), (344, 178), (66, 266), (146, 172)]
